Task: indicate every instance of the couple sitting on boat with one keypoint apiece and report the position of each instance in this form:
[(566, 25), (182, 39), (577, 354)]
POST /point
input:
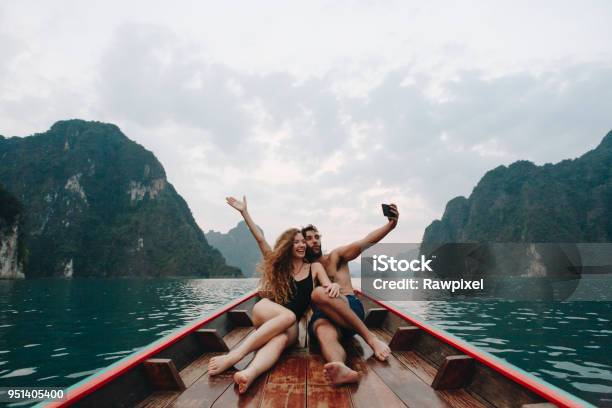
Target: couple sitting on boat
[(290, 273)]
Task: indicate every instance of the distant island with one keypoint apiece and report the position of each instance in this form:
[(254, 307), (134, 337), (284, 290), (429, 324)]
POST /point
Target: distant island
[(86, 201), (530, 221), (570, 201), (238, 247)]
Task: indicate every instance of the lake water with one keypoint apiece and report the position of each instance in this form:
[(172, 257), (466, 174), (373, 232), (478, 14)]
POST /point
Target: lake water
[(55, 332)]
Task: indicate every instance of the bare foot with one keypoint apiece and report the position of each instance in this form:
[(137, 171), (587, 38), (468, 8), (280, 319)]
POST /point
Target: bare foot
[(243, 379), (219, 364), (339, 373), (381, 349)]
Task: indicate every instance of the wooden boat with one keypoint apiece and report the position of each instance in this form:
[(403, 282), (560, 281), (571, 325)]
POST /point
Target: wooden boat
[(428, 368)]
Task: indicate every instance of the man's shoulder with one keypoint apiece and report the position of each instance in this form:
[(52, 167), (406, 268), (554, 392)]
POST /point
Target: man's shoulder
[(324, 259), (334, 256)]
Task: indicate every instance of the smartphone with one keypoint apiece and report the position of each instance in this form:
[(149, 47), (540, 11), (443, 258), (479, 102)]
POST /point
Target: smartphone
[(387, 212)]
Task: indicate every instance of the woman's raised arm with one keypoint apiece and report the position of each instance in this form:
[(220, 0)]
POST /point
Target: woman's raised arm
[(241, 206)]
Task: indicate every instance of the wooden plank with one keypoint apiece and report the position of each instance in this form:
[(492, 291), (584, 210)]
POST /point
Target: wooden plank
[(328, 396), (159, 399), (319, 392), (163, 375), (205, 391), (498, 391), (455, 372), (460, 398), (426, 372), (240, 318), (375, 317), (284, 395), (199, 366), (127, 390), (211, 341), (182, 352), (403, 337), (415, 363), (429, 347), (196, 369), (405, 384), (250, 399), (433, 349), (408, 387), (286, 386), (370, 391), (291, 368)]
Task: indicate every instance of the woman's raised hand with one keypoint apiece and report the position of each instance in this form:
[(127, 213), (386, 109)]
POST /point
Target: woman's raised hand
[(237, 204)]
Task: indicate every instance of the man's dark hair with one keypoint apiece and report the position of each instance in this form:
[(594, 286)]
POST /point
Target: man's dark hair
[(311, 256), (307, 228)]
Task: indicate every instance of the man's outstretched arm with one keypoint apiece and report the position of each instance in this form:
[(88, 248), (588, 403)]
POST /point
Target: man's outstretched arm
[(353, 250), (241, 206)]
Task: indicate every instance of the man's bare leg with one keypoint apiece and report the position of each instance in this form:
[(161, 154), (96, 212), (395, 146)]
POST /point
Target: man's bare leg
[(327, 334), (336, 371), (339, 311)]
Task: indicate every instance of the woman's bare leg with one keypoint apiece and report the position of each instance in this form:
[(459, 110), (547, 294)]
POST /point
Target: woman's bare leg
[(265, 358), (272, 319)]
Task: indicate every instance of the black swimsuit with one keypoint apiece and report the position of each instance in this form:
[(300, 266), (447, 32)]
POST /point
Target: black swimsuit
[(301, 295)]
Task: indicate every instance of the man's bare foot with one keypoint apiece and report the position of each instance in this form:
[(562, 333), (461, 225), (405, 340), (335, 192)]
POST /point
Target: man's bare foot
[(243, 379), (219, 364), (381, 349), (339, 373)]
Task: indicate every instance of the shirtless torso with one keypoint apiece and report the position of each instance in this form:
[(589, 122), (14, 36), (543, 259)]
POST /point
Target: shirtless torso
[(338, 272)]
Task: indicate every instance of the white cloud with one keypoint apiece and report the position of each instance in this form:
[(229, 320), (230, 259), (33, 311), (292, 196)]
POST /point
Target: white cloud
[(317, 111)]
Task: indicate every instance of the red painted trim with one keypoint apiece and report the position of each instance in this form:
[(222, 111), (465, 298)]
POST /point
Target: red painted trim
[(539, 388), (99, 380)]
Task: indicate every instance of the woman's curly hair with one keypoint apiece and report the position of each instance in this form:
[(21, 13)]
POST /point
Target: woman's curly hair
[(277, 283)]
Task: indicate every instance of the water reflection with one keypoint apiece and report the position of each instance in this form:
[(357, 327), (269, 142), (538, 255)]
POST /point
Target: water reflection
[(559, 342), (58, 331)]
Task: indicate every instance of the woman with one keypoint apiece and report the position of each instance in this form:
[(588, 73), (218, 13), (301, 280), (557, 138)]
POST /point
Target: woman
[(286, 284)]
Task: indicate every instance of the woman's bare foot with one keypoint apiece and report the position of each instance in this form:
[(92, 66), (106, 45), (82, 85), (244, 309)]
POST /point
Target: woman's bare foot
[(339, 373), (243, 379), (219, 364), (381, 349)]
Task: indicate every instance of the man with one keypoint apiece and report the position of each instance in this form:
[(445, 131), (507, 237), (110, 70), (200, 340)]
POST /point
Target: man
[(334, 317), (341, 317)]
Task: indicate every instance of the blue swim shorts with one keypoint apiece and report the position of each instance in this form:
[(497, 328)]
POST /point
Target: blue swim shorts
[(355, 305)]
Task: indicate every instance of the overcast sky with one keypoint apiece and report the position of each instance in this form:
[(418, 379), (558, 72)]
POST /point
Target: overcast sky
[(317, 111)]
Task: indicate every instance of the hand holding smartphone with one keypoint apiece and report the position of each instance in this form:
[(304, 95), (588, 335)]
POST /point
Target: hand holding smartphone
[(388, 211)]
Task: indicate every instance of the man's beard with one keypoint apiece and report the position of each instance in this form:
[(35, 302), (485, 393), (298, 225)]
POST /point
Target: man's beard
[(312, 255)]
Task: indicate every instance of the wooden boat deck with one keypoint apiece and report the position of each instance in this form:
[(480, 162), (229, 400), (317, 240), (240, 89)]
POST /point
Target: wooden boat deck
[(426, 369), (297, 380)]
